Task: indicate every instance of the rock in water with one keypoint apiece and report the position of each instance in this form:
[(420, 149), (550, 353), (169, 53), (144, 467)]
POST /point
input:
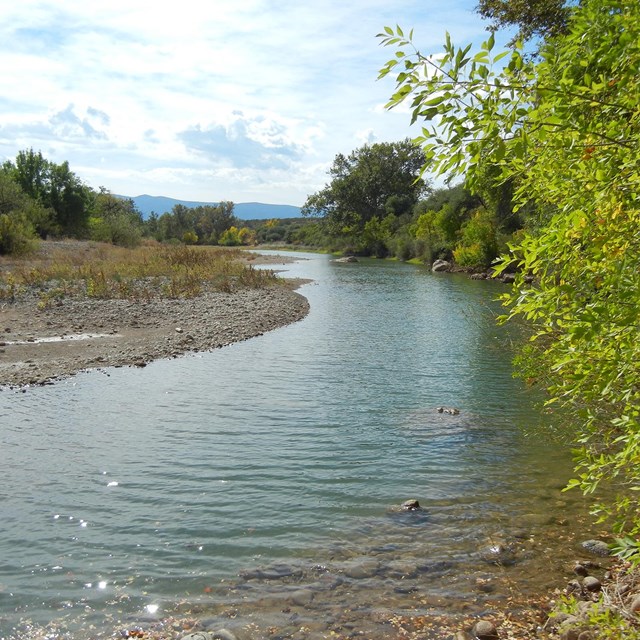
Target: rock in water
[(452, 411), (440, 266), (410, 505), (597, 547)]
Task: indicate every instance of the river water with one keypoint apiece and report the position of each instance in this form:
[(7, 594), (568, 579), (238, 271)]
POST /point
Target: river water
[(256, 488)]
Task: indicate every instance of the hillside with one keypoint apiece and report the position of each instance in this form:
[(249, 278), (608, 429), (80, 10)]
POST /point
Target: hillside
[(244, 210)]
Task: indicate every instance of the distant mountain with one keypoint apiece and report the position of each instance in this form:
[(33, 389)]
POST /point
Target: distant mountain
[(243, 210)]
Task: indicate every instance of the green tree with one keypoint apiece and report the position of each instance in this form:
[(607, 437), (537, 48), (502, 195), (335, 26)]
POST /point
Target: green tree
[(534, 18), (565, 128), (19, 215), (369, 183), (212, 220), (55, 187), (115, 220)]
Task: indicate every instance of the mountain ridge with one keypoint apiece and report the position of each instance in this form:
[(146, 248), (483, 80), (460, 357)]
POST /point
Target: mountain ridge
[(147, 204)]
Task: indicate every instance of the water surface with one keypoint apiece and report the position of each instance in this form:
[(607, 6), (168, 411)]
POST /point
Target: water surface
[(256, 486)]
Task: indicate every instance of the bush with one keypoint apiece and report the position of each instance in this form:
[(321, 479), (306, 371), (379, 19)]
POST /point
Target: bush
[(16, 234), (478, 246)]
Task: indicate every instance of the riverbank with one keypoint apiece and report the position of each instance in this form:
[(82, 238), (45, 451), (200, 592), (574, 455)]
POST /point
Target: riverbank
[(45, 337)]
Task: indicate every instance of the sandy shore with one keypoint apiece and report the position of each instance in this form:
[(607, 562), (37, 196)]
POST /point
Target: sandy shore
[(38, 346)]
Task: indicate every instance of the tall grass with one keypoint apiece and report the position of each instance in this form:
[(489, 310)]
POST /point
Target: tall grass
[(105, 271)]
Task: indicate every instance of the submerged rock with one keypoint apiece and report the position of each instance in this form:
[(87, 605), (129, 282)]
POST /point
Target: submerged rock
[(451, 411)]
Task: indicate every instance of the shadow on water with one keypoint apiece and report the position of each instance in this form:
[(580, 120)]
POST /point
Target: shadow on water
[(253, 488)]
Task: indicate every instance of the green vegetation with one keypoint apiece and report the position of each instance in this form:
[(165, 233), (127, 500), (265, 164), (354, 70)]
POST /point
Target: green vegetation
[(542, 18), (562, 131), (40, 199), (377, 204)]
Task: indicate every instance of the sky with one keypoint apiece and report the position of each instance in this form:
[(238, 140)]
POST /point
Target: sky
[(208, 100)]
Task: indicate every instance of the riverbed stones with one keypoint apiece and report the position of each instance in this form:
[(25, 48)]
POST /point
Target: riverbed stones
[(166, 328)]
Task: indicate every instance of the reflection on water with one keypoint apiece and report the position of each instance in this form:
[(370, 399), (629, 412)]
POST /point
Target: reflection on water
[(254, 486)]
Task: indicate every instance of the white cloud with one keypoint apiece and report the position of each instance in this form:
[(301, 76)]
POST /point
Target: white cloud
[(233, 99)]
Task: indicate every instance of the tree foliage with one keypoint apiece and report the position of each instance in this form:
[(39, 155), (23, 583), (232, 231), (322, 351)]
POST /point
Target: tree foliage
[(370, 183), (20, 217), (204, 224), (56, 188), (533, 18), (115, 220), (565, 128)]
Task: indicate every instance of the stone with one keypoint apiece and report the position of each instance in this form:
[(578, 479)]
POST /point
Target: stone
[(302, 597), (451, 411), (440, 266), (574, 587), (580, 570), (346, 259), (592, 584), (410, 505), (586, 635), (635, 605), (498, 554), (222, 634), (200, 635), (597, 547), (485, 630)]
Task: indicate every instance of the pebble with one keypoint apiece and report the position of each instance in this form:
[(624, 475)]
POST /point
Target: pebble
[(635, 605), (485, 630)]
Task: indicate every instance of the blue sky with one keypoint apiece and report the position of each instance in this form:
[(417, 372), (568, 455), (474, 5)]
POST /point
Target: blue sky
[(242, 100)]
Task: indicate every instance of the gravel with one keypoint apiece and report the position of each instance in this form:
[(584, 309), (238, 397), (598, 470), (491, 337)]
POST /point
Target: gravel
[(39, 346)]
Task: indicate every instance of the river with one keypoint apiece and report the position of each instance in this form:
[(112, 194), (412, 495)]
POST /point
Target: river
[(257, 487)]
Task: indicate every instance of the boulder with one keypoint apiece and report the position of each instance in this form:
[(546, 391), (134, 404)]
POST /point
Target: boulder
[(346, 259), (440, 266), (410, 505)]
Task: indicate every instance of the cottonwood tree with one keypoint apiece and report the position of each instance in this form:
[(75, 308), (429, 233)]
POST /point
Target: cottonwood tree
[(372, 182)]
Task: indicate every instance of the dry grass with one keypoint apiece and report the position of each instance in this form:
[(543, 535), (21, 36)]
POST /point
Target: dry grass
[(152, 270)]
